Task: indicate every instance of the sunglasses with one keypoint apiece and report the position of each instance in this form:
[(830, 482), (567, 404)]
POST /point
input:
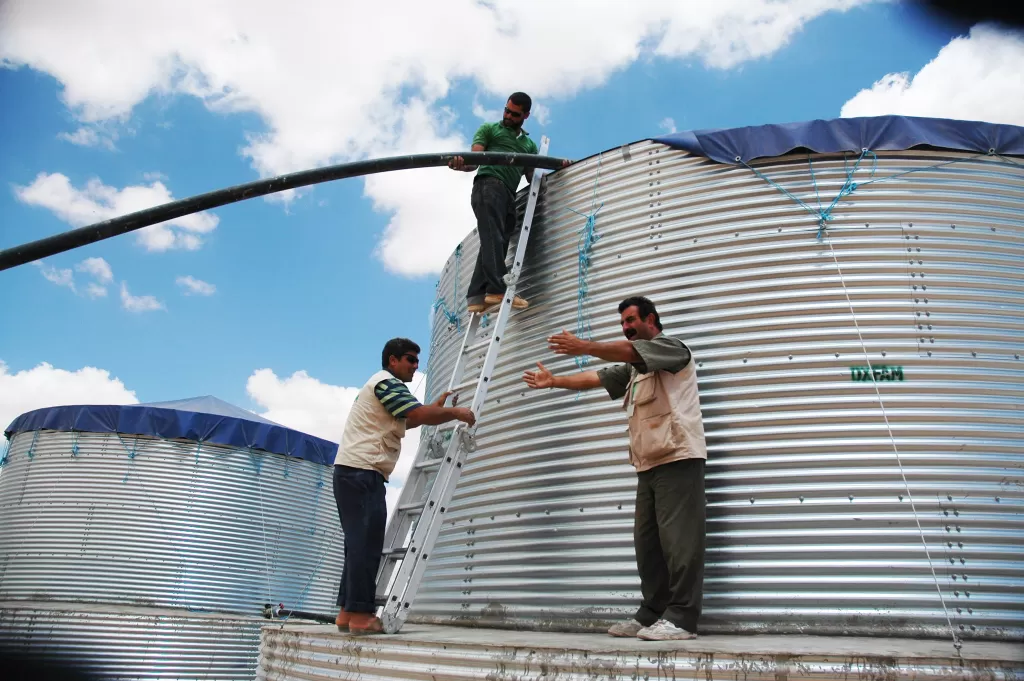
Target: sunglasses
[(513, 114), (412, 359)]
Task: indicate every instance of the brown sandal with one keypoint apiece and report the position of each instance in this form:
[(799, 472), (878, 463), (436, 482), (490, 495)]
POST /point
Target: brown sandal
[(342, 620), (365, 623)]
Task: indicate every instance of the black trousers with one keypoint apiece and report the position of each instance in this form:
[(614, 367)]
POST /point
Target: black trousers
[(360, 496), (495, 210), (668, 534)]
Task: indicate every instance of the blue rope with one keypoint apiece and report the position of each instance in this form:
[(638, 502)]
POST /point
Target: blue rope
[(452, 317), (316, 500), (31, 448), (131, 456), (7, 451), (824, 215), (588, 237), (74, 443)]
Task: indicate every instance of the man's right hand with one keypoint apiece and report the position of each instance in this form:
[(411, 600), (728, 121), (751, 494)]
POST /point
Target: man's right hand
[(457, 163), (542, 378), (465, 415)]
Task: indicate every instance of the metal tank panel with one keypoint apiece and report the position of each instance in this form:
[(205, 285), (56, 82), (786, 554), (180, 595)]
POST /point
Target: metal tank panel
[(133, 643), (101, 519), (810, 525)]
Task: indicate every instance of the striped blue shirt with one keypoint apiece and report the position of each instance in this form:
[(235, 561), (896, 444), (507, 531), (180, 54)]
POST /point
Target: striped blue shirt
[(395, 396)]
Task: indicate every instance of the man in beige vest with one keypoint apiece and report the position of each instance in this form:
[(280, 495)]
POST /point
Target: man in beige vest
[(369, 449), (658, 385)]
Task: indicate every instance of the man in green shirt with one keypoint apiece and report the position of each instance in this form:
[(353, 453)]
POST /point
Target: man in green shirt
[(494, 201)]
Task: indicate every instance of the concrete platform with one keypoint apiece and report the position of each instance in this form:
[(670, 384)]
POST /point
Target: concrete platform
[(308, 652)]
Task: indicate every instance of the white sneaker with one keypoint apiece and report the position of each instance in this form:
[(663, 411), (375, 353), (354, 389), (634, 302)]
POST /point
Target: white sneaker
[(663, 630), (627, 629)]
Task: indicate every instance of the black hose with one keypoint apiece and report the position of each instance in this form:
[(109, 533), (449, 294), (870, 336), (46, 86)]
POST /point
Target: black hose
[(58, 243)]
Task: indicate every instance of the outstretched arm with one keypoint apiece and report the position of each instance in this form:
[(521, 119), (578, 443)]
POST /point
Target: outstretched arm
[(565, 343), (542, 378)]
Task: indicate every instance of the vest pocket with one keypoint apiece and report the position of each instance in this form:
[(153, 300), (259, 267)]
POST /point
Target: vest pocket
[(653, 437)]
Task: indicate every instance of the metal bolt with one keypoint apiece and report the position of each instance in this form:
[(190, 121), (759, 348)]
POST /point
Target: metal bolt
[(949, 497), (751, 499)]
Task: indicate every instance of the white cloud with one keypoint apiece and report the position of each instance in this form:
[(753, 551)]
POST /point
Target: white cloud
[(540, 113), (976, 77), (311, 406), (668, 125), (45, 386), (329, 90), (94, 290), (98, 268), (89, 137), (485, 114), (60, 277), (195, 286), (138, 303), (96, 202)]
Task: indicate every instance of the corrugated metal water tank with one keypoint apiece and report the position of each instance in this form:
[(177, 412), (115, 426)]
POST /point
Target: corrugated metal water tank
[(149, 557), (810, 522)]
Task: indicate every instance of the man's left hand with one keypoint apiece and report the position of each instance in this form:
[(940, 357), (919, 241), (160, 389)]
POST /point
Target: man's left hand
[(565, 343)]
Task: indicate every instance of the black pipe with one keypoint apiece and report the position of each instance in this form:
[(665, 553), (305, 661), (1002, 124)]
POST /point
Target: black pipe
[(58, 243)]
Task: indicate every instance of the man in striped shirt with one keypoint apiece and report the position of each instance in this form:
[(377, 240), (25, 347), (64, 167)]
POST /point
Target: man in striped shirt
[(369, 449)]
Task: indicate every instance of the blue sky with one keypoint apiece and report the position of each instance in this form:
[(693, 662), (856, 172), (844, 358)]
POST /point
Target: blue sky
[(301, 285)]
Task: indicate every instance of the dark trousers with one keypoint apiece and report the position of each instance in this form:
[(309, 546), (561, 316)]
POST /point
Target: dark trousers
[(668, 534), (495, 210), (363, 511)]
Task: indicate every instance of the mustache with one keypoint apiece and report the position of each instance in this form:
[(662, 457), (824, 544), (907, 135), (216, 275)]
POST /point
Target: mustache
[(629, 333)]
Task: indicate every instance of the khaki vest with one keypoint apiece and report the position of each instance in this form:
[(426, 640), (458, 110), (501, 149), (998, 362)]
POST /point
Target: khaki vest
[(373, 437), (664, 422)]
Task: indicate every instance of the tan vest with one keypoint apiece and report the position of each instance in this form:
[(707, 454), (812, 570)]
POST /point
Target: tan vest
[(373, 437), (664, 418)]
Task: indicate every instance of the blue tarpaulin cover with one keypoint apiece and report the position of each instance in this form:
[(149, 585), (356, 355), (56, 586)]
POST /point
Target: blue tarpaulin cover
[(879, 133), (202, 419)]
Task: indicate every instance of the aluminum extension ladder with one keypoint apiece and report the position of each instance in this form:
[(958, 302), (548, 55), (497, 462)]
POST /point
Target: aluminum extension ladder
[(417, 519)]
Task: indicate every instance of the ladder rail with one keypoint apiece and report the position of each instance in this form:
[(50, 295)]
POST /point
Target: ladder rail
[(401, 593), (400, 522)]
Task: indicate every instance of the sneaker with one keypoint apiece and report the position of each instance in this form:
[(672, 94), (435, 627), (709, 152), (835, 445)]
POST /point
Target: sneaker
[(342, 620), (627, 629), (663, 630)]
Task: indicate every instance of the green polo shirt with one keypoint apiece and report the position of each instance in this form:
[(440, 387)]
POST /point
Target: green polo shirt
[(496, 137)]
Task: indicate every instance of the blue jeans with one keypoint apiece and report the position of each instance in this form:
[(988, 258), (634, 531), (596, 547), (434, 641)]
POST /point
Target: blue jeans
[(363, 511)]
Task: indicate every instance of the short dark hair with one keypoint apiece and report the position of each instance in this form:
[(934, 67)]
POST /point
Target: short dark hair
[(521, 99), (396, 347), (644, 306)]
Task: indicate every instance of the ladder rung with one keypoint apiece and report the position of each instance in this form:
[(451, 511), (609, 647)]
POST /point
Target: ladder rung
[(477, 346), (415, 507), (400, 552), (465, 385), (428, 464)]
